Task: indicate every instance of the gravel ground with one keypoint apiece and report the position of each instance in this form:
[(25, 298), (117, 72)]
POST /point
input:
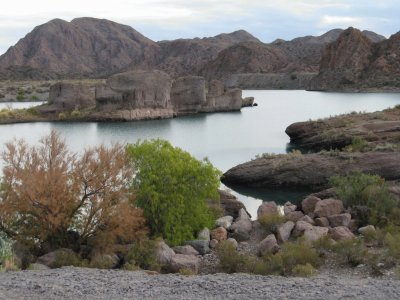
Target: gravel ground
[(79, 283)]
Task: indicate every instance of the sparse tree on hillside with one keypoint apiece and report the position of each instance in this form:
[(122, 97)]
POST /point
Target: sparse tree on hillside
[(49, 193)]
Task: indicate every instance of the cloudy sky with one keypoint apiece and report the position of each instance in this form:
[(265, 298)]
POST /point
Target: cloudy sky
[(170, 19)]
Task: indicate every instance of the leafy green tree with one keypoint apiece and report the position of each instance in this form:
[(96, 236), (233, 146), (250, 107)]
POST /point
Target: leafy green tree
[(172, 187)]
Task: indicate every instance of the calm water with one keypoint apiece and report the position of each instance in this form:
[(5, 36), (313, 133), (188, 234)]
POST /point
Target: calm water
[(227, 139)]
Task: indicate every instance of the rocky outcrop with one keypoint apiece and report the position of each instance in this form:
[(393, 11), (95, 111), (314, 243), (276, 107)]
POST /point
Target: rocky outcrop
[(355, 62), (311, 171), (230, 204), (68, 96), (135, 90), (189, 94), (378, 129)]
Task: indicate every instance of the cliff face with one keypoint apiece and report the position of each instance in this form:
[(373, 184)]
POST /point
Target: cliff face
[(355, 62)]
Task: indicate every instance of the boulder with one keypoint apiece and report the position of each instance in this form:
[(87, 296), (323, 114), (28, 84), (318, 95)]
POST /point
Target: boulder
[(300, 227), (204, 234), (267, 208), (248, 102), (105, 261), (339, 220), (230, 204), (164, 253), (322, 222), (308, 204), (213, 244), (328, 207), (269, 244), (50, 259), (181, 261), (307, 219), (225, 222), (219, 234), (367, 229), (202, 246), (288, 208), (315, 233), (242, 223), (233, 242), (341, 233), (294, 215), (240, 236), (186, 250), (284, 231)]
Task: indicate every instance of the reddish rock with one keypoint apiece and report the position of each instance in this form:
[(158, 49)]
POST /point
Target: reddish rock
[(267, 208), (328, 207), (219, 234), (341, 233), (186, 250), (308, 204), (294, 215), (300, 227), (269, 244), (315, 233), (322, 222), (284, 231), (339, 220)]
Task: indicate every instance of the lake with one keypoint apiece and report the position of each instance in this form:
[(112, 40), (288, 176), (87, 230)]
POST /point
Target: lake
[(227, 139)]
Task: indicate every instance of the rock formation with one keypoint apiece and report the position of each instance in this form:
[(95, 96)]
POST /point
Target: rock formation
[(137, 95), (355, 62), (311, 171)]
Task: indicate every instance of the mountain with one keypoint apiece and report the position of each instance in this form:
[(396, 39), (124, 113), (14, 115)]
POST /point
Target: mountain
[(301, 54), (188, 56), (354, 61), (84, 46)]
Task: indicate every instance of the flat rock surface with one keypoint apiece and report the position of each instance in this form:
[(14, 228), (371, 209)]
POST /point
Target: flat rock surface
[(80, 283)]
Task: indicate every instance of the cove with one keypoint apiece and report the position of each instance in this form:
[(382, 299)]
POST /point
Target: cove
[(227, 139)]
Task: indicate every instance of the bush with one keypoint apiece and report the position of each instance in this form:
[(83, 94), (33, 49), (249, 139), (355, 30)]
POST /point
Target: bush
[(20, 95), (62, 116), (7, 256), (231, 261), (49, 195), (351, 252), (367, 196), (143, 255), (76, 113), (67, 258), (392, 242), (187, 272), (172, 188), (34, 97), (358, 144), (270, 223), (304, 270)]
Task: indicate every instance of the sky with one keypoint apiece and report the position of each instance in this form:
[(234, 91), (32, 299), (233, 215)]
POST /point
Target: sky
[(171, 19)]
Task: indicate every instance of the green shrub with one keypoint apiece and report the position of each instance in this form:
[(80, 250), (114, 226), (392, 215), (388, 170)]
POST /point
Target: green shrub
[(7, 256), (34, 97), (270, 223), (143, 255), (392, 242), (351, 252), (32, 111), (358, 144), (62, 116), (187, 272), (102, 262), (231, 261), (367, 196), (67, 258), (172, 187), (304, 270), (20, 95), (76, 113)]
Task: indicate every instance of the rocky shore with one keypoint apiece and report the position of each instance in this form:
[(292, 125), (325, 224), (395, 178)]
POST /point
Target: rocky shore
[(81, 283)]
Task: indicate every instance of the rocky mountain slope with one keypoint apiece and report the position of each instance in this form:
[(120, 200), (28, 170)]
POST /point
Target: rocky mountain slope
[(301, 54), (89, 47), (355, 62), (84, 46)]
